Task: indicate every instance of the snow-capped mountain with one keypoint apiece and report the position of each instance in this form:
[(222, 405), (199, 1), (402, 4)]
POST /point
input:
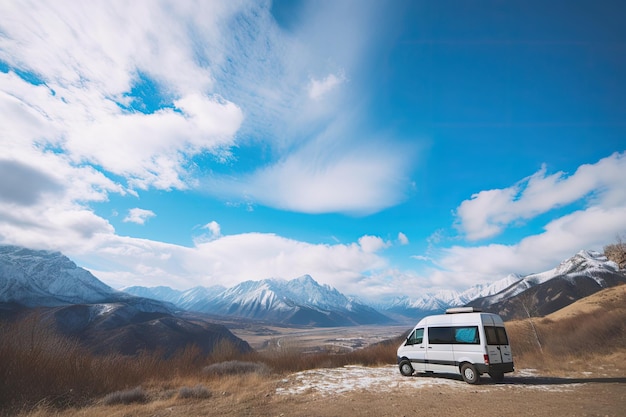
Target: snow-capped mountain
[(485, 290), (576, 277), (77, 304), (542, 293), (156, 293), (37, 277), (438, 302), (185, 300), (40, 278), (300, 301)]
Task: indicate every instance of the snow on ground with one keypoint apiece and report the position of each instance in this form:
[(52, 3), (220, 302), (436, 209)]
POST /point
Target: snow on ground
[(332, 381)]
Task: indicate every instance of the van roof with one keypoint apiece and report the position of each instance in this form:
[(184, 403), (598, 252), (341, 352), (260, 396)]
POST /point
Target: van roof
[(457, 310)]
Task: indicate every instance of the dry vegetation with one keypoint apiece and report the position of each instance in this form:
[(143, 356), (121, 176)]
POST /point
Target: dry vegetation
[(42, 373), (592, 330), (40, 368), (616, 252)]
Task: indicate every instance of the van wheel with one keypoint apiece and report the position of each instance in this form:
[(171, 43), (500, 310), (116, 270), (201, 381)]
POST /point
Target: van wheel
[(406, 368), (497, 376), (468, 371)]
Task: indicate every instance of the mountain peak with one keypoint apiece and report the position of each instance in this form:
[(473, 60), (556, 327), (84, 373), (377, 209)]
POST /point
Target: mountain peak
[(42, 277)]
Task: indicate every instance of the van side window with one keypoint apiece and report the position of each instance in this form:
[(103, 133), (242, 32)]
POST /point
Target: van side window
[(496, 335), (464, 335), (416, 337), (439, 335)]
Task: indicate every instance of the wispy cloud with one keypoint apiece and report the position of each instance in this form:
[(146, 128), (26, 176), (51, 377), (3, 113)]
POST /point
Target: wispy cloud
[(319, 88), (355, 181), (214, 228)]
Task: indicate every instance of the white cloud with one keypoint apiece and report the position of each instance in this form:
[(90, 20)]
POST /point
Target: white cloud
[(151, 149), (589, 229), (214, 231), (139, 216), (489, 212), (600, 186), (403, 239), (372, 244), (87, 57)]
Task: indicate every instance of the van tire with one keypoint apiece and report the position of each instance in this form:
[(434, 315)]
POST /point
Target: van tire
[(406, 369), (469, 373), (497, 376)]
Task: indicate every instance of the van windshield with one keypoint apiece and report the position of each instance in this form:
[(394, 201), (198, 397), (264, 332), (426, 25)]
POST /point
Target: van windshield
[(496, 335)]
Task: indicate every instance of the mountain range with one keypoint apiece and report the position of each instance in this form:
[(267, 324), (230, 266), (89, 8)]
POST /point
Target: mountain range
[(53, 289), (302, 301), (543, 293), (48, 279)]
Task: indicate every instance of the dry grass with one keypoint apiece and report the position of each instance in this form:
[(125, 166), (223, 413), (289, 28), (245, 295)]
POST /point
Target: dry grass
[(592, 329), (41, 369)]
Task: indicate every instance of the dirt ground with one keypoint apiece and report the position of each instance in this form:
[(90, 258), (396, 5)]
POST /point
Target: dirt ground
[(384, 393)]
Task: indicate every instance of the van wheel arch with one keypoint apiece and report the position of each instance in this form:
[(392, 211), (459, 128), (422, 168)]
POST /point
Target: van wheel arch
[(406, 369), (469, 373)]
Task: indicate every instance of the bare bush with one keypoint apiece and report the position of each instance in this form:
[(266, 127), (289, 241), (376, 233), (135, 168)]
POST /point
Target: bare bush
[(616, 252), (135, 395), (198, 392), (237, 367)]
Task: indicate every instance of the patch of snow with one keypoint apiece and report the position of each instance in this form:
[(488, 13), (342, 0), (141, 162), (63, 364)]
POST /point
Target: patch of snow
[(333, 381), (102, 309)]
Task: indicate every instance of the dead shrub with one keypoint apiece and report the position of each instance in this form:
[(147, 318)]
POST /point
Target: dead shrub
[(135, 395), (197, 392), (236, 367)]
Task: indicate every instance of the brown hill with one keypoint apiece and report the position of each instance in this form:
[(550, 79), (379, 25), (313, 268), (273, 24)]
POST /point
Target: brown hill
[(589, 329), (612, 299)]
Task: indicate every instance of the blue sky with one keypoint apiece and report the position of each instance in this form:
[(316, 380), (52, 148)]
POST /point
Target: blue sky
[(383, 147)]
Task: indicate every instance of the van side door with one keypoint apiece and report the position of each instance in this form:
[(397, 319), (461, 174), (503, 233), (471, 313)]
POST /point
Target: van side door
[(439, 352)]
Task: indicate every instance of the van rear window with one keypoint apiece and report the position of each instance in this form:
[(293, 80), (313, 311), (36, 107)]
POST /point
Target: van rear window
[(496, 335), (467, 335)]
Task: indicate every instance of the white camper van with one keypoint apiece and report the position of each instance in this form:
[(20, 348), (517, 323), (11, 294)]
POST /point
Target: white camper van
[(463, 341)]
